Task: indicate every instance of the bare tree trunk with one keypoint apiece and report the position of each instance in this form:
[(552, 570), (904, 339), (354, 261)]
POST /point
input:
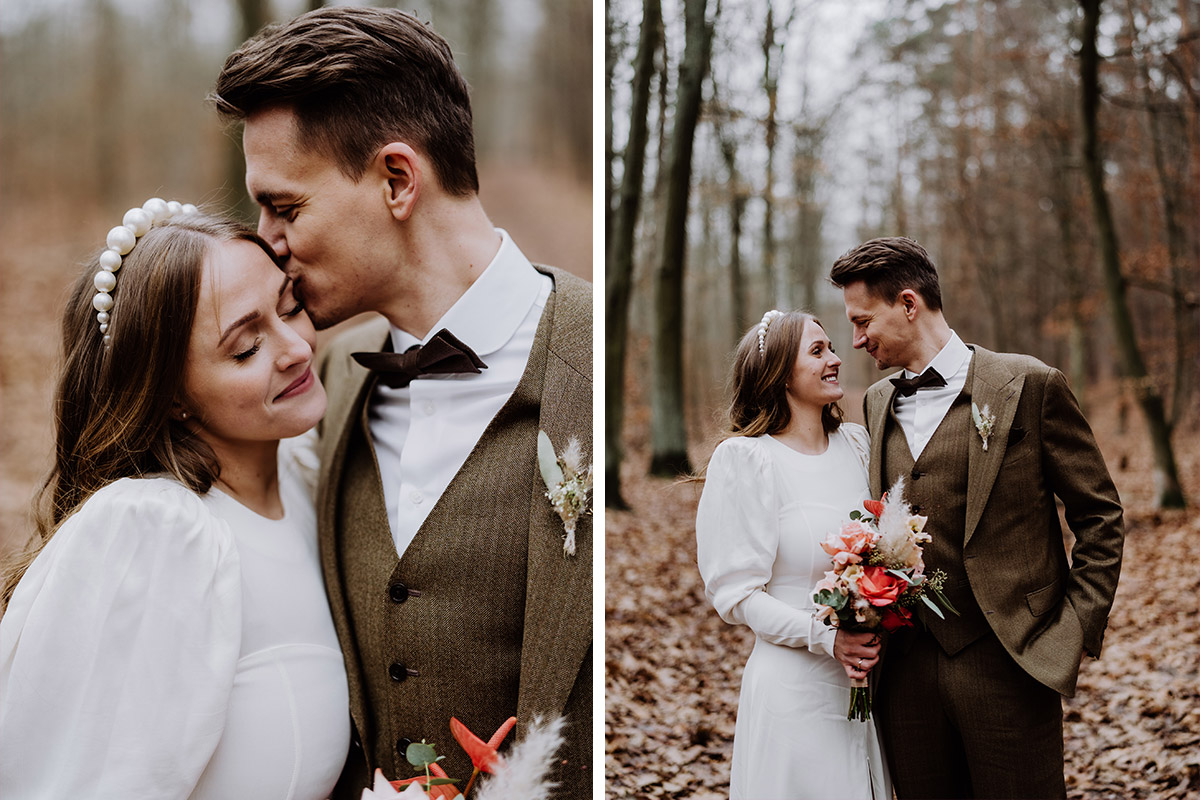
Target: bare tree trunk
[(668, 432), (727, 144), (610, 156), (737, 211), (567, 73), (1170, 494), (1075, 280), (619, 277), (253, 15), (772, 49), (1185, 330), (108, 81)]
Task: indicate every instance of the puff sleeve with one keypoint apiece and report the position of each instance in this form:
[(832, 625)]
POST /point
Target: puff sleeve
[(860, 442), (737, 540), (119, 648)]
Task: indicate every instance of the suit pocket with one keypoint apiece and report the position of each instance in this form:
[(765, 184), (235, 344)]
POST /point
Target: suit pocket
[(1015, 436), (1045, 599)]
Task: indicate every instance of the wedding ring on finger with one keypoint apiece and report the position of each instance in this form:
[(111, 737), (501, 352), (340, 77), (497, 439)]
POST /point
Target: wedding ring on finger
[(860, 663)]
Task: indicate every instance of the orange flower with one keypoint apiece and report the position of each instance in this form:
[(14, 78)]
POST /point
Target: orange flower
[(879, 587), (483, 754), (875, 507)]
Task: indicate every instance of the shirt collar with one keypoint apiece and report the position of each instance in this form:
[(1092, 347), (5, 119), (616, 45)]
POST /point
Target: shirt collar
[(949, 360), (488, 314)]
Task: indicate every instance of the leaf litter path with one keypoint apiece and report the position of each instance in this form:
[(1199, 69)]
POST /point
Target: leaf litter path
[(673, 668)]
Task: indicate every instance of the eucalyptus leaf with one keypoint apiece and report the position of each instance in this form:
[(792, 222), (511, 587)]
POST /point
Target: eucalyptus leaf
[(949, 606), (856, 514), (901, 575), (933, 606), (421, 754), (828, 597), (442, 781), (552, 473)]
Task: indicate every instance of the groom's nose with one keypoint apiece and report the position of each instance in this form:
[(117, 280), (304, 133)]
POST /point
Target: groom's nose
[(270, 228)]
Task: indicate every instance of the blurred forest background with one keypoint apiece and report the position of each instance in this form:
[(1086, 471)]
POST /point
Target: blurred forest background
[(1047, 154), (102, 105)]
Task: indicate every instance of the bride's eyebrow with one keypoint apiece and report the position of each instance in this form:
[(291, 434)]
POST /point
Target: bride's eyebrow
[(253, 315)]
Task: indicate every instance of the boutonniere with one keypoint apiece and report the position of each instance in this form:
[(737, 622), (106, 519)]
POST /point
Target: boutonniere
[(983, 423), (568, 484)]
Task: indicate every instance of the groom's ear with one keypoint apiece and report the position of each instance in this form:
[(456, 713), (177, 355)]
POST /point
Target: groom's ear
[(399, 167), (910, 302)]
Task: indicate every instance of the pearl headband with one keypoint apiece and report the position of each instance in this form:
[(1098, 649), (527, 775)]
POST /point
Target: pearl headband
[(120, 241), (767, 319)]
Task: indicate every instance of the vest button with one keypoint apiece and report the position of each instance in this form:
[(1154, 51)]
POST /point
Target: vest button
[(916, 473), (398, 672), (402, 746), (916, 509), (398, 592)]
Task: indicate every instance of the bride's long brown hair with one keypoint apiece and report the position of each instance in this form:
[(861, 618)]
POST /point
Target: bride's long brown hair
[(113, 405), (759, 405)]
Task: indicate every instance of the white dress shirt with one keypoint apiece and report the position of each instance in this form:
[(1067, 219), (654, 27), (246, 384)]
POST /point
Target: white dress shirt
[(424, 432), (922, 412)]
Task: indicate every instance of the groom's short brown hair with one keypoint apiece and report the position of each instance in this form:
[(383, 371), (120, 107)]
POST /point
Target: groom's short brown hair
[(888, 266), (356, 79)]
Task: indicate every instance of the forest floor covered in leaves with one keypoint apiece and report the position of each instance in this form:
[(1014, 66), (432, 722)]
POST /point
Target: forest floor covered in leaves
[(673, 668)]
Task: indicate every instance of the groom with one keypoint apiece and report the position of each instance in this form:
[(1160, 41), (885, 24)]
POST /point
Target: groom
[(970, 706), (443, 558)]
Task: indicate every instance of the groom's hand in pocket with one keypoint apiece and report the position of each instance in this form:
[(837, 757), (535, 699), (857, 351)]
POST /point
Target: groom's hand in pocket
[(857, 652)]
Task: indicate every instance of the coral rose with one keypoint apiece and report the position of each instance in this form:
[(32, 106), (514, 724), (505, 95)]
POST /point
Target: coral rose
[(880, 587)]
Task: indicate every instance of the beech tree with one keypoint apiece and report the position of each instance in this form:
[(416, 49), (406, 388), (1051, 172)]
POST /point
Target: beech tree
[(1170, 494)]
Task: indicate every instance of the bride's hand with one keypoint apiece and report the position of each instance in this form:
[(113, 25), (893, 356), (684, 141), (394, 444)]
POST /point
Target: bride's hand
[(856, 652)]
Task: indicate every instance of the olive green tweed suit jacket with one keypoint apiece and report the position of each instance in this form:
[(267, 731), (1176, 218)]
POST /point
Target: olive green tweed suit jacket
[(488, 561), (1045, 610)]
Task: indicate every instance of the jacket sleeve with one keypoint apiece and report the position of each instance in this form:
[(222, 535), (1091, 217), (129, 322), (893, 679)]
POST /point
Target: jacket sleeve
[(1075, 471)]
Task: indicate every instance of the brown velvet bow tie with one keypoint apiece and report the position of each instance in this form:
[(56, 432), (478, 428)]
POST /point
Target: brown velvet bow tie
[(929, 379), (443, 354)]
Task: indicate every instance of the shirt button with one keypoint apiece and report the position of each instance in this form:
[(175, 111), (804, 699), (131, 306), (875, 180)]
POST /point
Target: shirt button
[(429, 408), (416, 497)]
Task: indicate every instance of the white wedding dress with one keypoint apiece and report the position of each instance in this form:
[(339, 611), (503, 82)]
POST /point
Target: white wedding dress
[(764, 511), (166, 645)]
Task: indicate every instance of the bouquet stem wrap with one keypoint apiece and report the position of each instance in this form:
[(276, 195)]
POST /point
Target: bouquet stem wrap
[(860, 700)]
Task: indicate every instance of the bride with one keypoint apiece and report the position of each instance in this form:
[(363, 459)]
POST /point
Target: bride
[(787, 475), (171, 638)]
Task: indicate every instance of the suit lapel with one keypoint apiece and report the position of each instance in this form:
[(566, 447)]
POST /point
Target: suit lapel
[(558, 600), (877, 415), (998, 390), (350, 387)]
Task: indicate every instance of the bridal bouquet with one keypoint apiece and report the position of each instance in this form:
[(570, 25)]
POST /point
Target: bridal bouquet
[(878, 577), (522, 775)]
